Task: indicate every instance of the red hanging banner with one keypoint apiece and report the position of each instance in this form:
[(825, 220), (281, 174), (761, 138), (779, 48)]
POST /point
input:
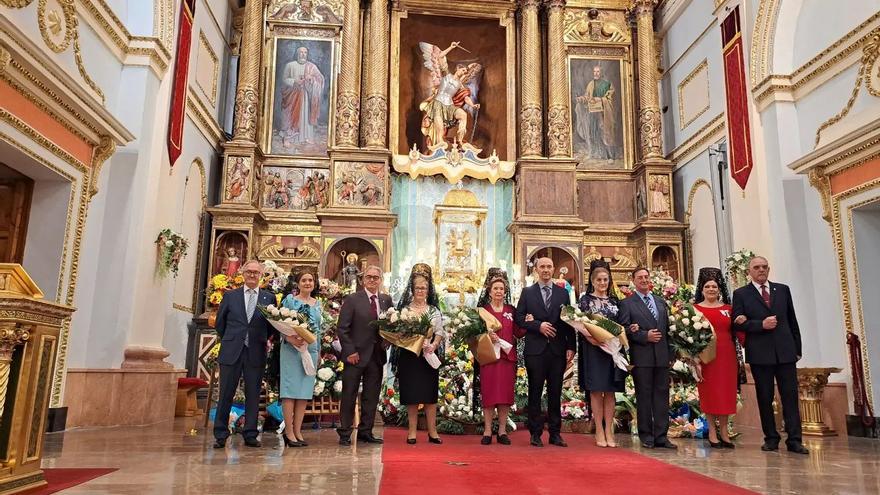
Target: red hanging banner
[(737, 101), (179, 83)]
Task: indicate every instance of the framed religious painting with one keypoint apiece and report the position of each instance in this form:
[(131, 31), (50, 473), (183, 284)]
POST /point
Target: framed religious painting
[(360, 185), (301, 89), (294, 188), (601, 102), (453, 92)]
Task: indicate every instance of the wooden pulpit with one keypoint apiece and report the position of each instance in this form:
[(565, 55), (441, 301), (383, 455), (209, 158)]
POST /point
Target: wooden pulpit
[(29, 337)]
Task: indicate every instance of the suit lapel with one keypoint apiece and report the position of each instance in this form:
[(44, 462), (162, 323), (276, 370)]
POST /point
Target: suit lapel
[(644, 308), (755, 292)]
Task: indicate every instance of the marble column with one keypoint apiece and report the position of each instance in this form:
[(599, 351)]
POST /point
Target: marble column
[(247, 97), (649, 107), (531, 115), (374, 122), (348, 105), (558, 120)]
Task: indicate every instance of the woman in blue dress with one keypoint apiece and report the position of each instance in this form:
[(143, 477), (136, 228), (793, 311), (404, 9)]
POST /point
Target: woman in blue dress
[(298, 388)]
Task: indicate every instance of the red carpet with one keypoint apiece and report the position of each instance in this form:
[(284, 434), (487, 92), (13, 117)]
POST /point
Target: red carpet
[(462, 466), (64, 478)]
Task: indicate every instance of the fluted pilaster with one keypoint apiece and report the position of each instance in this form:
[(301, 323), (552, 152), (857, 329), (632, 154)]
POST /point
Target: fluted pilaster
[(374, 121), (531, 115), (348, 105), (558, 120), (247, 96), (649, 107)]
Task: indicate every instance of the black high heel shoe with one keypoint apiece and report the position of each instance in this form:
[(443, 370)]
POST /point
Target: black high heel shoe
[(727, 445), (290, 443), (715, 445), (411, 441), (434, 440), (302, 442)]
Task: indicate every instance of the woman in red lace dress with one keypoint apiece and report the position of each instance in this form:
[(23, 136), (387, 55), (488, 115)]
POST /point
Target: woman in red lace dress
[(718, 387), (497, 380)]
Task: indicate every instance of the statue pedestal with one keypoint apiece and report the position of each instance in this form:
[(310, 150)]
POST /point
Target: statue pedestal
[(811, 387)]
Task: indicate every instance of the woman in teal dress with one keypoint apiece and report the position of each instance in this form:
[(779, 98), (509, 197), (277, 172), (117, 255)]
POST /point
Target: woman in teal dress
[(297, 388)]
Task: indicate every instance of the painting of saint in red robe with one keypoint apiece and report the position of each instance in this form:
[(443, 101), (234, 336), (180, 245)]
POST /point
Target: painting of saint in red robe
[(301, 97)]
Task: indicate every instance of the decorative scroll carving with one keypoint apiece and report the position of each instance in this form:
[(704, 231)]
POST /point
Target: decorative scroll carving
[(822, 184), (246, 102), (558, 131), (530, 123), (105, 150), (347, 118), (319, 11), (375, 120), (585, 26), (649, 132)]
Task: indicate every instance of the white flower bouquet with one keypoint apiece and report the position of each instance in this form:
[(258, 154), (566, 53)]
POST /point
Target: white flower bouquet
[(289, 323), (610, 335), (407, 330), (737, 266), (691, 334), (472, 327)]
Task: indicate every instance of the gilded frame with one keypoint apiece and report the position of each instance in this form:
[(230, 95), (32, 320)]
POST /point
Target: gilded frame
[(623, 56), (506, 19), (315, 33)]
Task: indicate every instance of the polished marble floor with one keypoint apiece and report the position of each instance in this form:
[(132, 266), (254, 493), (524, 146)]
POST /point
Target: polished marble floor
[(177, 458)]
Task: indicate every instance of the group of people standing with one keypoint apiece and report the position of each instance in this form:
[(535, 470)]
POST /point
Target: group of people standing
[(761, 317)]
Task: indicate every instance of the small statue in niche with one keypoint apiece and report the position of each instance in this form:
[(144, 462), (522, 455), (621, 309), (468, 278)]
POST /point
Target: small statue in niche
[(350, 272), (231, 262)]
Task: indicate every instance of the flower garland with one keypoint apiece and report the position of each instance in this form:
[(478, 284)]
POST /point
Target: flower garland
[(172, 248)]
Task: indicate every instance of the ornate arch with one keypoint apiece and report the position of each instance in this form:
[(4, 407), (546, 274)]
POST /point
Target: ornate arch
[(688, 237), (198, 165), (763, 34)]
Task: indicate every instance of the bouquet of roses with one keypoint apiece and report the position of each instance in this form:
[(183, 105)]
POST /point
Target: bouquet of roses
[(472, 327), (610, 335), (289, 323), (691, 335), (407, 330)]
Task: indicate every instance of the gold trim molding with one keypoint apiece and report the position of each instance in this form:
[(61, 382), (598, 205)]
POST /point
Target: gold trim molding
[(206, 45), (702, 66), (712, 131)]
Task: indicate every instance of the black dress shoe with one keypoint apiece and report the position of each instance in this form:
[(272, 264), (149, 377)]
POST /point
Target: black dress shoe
[(434, 440), (303, 442), (536, 441), (504, 439), (291, 443), (715, 445), (486, 440), (647, 445), (411, 441), (769, 447), (666, 445), (727, 445), (345, 441), (558, 441), (369, 439), (252, 442), (220, 443), (798, 448)]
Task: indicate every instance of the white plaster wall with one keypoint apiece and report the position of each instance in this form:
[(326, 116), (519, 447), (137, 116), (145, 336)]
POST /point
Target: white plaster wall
[(866, 225), (45, 234), (704, 234), (819, 24)]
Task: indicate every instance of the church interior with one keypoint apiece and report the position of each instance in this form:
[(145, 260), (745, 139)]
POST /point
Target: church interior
[(149, 150)]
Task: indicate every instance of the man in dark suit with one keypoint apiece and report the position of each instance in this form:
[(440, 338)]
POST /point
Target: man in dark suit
[(765, 312), (364, 355), (243, 332), (549, 347), (646, 319)]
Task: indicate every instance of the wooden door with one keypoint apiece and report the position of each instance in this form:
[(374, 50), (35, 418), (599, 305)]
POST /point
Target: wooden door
[(15, 207)]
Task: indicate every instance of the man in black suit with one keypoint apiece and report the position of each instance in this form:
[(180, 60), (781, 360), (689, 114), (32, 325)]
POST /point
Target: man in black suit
[(646, 319), (364, 355), (243, 332), (765, 312), (550, 345)]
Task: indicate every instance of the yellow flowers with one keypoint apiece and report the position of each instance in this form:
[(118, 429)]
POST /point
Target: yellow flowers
[(340, 365), (219, 281), (238, 280), (521, 372), (216, 297), (449, 396), (468, 366)]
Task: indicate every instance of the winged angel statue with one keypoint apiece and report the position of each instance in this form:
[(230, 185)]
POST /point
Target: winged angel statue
[(452, 101)]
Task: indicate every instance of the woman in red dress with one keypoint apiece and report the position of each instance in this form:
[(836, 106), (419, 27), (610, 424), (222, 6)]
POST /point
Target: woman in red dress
[(718, 387), (497, 380)]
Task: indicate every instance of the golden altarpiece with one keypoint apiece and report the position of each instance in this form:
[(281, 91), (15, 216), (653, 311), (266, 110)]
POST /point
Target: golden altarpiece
[(358, 124)]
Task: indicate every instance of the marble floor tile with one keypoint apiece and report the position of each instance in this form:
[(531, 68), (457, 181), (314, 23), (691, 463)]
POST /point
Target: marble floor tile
[(178, 458)]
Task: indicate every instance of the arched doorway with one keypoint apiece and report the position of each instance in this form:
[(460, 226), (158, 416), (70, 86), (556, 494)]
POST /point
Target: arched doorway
[(350, 251), (665, 258), (565, 265)]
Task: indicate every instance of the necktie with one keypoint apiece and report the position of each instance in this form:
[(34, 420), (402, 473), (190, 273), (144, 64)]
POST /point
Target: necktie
[(546, 290), (765, 295), (250, 307), (374, 313), (650, 305)]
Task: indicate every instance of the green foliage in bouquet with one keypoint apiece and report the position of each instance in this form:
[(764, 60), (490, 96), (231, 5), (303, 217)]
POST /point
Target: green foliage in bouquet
[(464, 325)]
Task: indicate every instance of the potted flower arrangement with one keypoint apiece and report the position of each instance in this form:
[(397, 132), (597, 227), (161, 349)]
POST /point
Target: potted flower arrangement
[(172, 248)]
